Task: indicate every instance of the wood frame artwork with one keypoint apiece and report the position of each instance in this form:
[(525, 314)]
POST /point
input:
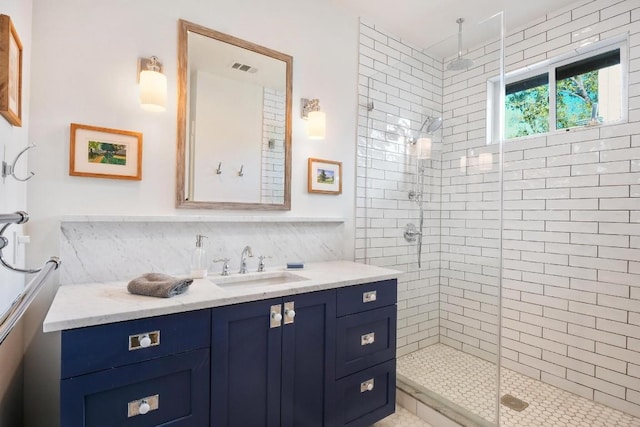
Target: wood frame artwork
[(105, 153), (325, 176), (10, 72)]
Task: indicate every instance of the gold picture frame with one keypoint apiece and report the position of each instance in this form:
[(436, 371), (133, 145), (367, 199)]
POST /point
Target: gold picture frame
[(10, 72), (325, 176), (105, 153)]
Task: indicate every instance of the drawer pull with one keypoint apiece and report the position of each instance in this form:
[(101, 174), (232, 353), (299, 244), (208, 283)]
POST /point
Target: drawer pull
[(275, 318), (143, 406), (289, 312), (370, 296), (368, 339), (366, 386), (144, 340)]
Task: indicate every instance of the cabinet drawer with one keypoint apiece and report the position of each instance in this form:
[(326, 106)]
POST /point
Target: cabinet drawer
[(176, 388), (368, 396), (95, 348), (365, 339), (356, 299)]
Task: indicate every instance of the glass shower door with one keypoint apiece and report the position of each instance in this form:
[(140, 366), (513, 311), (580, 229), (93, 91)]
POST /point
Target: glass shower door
[(429, 201)]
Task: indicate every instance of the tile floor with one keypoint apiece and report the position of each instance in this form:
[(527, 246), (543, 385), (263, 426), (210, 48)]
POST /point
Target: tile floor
[(470, 382), (402, 418)]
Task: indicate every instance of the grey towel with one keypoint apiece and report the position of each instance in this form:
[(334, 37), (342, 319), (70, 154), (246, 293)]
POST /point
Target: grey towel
[(158, 285)]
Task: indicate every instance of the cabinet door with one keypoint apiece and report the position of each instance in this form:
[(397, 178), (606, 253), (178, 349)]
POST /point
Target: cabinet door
[(308, 359), (245, 366)]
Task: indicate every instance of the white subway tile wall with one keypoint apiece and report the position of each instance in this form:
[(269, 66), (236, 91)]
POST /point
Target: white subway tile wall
[(405, 87), (273, 150), (571, 270)]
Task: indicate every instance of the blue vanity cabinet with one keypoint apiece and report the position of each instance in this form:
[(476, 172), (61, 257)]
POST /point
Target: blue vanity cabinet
[(365, 375), (272, 362), (144, 372)]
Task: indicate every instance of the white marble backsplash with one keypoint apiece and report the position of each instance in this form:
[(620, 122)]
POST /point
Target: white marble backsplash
[(121, 249)]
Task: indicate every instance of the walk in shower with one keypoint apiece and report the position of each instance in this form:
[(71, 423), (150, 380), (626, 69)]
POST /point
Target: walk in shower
[(514, 308)]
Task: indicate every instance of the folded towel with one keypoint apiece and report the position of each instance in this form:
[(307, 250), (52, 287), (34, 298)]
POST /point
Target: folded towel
[(158, 285)]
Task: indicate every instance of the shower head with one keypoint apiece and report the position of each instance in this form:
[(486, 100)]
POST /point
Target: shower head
[(460, 63), (431, 124)]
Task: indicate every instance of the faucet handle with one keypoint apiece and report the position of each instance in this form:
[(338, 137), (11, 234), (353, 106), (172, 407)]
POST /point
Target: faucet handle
[(226, 270), (261, 262)]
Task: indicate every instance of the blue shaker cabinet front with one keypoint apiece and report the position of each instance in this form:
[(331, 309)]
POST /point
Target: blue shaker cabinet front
[(145, 372), (272, 362), (319, 359)]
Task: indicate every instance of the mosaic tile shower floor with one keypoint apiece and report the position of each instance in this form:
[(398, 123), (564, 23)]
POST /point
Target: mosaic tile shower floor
[(470, 382), (402, 418)]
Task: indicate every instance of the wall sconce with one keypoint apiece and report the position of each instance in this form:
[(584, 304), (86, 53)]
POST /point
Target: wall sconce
[(153, 85), (316, 119)]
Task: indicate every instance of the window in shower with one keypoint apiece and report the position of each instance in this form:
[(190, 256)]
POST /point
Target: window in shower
[(579, 90), (527, 107), (589, 91)]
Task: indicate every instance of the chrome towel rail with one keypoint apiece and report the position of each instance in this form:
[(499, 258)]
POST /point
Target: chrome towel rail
[(9, 319), (19, 217), (20, 304)]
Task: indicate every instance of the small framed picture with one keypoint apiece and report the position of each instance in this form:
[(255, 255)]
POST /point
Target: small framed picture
[(325, 176), (10, 72), (105, 153)]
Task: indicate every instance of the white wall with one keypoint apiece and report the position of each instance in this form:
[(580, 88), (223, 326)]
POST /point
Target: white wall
[(84, 71), (13, 197)]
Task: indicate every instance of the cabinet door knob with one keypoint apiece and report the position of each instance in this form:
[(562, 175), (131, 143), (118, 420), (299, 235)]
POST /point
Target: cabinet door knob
[(276, 316), (145, 341), (290, 313), (144, 407)]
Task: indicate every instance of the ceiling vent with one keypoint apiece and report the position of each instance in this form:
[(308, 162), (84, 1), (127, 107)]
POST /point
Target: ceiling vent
[(244, 67)]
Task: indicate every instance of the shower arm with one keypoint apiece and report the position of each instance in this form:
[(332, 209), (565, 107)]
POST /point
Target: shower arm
[(460, 21)]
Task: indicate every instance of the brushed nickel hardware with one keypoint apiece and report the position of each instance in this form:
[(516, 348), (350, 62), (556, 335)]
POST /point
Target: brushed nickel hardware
[(368, 339), (289, 312), (143, 406), (246, 252), (144, 340), (367, 385), (261, 265), (226, 270), (275, 319), (9, 169), (370, 296)]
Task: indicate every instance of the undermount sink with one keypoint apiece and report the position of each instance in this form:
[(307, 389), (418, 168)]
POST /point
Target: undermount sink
[(268, 278)]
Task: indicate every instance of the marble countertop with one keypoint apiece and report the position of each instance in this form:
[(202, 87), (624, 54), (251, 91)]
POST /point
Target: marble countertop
[(90, 304)]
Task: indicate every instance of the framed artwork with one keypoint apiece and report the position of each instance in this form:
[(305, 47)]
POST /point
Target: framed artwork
[(10, 72), (325, 176), (105, 153)]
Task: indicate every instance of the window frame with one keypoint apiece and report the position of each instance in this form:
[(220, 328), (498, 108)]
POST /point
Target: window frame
[(496, 107)]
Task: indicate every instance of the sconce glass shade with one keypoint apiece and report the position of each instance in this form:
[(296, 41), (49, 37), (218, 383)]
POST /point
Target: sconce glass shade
[(424, 148), (316, 125), (153, 90)]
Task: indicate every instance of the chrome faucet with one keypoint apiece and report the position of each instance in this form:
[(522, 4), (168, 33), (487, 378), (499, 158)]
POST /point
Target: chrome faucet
[(243, 259)]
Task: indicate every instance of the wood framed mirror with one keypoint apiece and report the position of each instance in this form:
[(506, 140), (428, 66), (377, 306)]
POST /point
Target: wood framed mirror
[(234, 122)]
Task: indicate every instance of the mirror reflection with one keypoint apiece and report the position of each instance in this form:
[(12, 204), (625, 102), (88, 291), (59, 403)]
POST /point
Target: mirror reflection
[(234, 120)]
